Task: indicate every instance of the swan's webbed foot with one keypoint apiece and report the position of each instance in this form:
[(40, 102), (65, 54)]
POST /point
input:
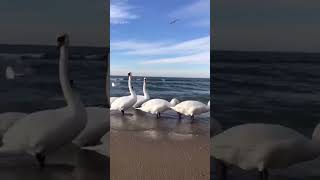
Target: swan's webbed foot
[(122, 111), (192, 118), (221, 170), (158, 115), (179, 116), (263, 175), (41, 160)]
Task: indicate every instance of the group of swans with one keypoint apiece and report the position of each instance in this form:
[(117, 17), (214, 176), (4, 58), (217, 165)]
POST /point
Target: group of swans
[(263, 147), (40, 133), (156, 106)]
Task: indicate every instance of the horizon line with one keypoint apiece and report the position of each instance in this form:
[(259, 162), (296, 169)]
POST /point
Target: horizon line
[(267, 51), (165, 77), (51, 45)]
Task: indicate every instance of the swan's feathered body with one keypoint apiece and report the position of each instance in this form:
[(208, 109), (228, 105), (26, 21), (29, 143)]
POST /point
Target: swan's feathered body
[(112, 99), (191, 108), (103, 148), (156, 106), (98, 124), (124, 103), (145, 97), (140, 100), (263, 146), (8, 119), (45, 131)]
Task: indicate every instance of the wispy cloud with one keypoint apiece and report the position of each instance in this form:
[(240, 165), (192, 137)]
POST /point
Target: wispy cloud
[(192, 46), (199, 58), (198, 13), (194, 51), (121, 12)]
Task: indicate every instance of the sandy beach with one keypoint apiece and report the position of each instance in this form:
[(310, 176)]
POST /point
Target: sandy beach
[(143, 147)]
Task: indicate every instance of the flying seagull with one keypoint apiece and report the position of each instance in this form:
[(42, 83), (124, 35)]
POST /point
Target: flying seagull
[(174, 21)]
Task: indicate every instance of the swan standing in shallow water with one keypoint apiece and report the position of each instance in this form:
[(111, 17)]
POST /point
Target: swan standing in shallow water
[(191, 108), (42, 132), (157, 106), (263, 147), (125, 102), (145, 97)]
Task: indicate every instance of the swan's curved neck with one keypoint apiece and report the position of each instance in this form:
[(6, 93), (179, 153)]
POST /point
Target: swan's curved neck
[(64, 76), (145, 92), (130, 87)]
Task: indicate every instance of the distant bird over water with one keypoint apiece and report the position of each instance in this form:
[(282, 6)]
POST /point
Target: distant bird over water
[(174, 21)]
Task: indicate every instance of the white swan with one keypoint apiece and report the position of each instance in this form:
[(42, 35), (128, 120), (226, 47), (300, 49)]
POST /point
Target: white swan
[(125, 102), (112, 99), (102, 148), (263, 147), (145, 97), (191, 108), (98, 123), (10, 74), (43, 132), (8, 119), (157, 106)]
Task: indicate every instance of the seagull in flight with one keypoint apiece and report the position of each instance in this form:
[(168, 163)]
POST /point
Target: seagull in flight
[(174, 21)]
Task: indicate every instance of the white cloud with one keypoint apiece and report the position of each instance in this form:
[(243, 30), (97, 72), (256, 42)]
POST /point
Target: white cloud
[(198, 11), (194, 51), (121, 12), (199, 58), (192, 46)]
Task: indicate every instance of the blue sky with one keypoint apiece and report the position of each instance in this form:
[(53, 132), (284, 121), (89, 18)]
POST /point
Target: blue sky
[(143, 41), (39, 21)]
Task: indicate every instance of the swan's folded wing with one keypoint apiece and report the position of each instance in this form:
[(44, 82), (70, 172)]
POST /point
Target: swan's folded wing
[(283, 153)]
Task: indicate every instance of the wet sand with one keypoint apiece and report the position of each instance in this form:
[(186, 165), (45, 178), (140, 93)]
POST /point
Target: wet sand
[(69, 163), (144, 148)]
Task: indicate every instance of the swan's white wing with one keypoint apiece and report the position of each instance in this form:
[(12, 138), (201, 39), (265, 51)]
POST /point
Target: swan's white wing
[(103, 148), (44, 130), (8, 119), (252, 146), (112, 99), (155, 106), (140, 101), (98, 123), (123, 103), (191, 108)]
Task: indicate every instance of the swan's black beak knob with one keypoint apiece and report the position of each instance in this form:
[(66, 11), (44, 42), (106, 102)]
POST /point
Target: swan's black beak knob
[(129, 74), (61, 40)]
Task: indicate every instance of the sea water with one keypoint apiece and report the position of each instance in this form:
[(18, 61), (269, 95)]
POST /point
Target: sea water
[(36, 86), (168, 126), (266, 87)]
